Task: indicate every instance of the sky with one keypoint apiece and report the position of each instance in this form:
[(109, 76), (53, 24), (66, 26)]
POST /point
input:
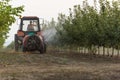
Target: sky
[(46, 9)]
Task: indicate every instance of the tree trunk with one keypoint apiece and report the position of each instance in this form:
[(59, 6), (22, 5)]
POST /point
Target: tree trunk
[(103, 51), (112, 52), (98, 50), (84, 50), (89, 50), (108, 52), (80, 50), (118, 53)]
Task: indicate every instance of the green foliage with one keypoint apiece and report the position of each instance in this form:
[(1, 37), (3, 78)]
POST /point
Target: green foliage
[(7, 17), (88, 25)]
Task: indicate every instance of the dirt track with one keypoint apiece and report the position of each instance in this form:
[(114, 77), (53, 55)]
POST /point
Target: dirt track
[(57, 66)]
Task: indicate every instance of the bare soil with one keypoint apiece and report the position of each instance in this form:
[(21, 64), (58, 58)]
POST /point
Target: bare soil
[(57, 66)]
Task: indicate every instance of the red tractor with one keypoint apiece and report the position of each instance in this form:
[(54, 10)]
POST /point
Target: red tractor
[(29, 36)]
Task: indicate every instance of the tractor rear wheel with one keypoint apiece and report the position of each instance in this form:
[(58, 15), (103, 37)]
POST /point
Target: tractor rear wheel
[(24, 49), (41, 50), (16, 45)]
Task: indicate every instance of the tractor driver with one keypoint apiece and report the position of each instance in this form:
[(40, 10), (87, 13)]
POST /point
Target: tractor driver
[(30, 26)]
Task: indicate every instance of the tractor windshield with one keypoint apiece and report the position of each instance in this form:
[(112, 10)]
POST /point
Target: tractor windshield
[(30, 25)]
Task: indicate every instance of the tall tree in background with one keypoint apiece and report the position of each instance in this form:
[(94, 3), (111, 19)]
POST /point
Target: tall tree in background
[(7, 17), (49, 24), (91, 26)]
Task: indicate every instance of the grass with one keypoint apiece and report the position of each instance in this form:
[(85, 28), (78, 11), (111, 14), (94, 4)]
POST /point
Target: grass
[(57, 66)]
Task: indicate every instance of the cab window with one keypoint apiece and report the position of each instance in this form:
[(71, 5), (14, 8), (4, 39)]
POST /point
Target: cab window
[(30, 25)]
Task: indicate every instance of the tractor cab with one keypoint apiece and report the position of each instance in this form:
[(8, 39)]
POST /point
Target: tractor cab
[(29, 25), (29, 35)]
